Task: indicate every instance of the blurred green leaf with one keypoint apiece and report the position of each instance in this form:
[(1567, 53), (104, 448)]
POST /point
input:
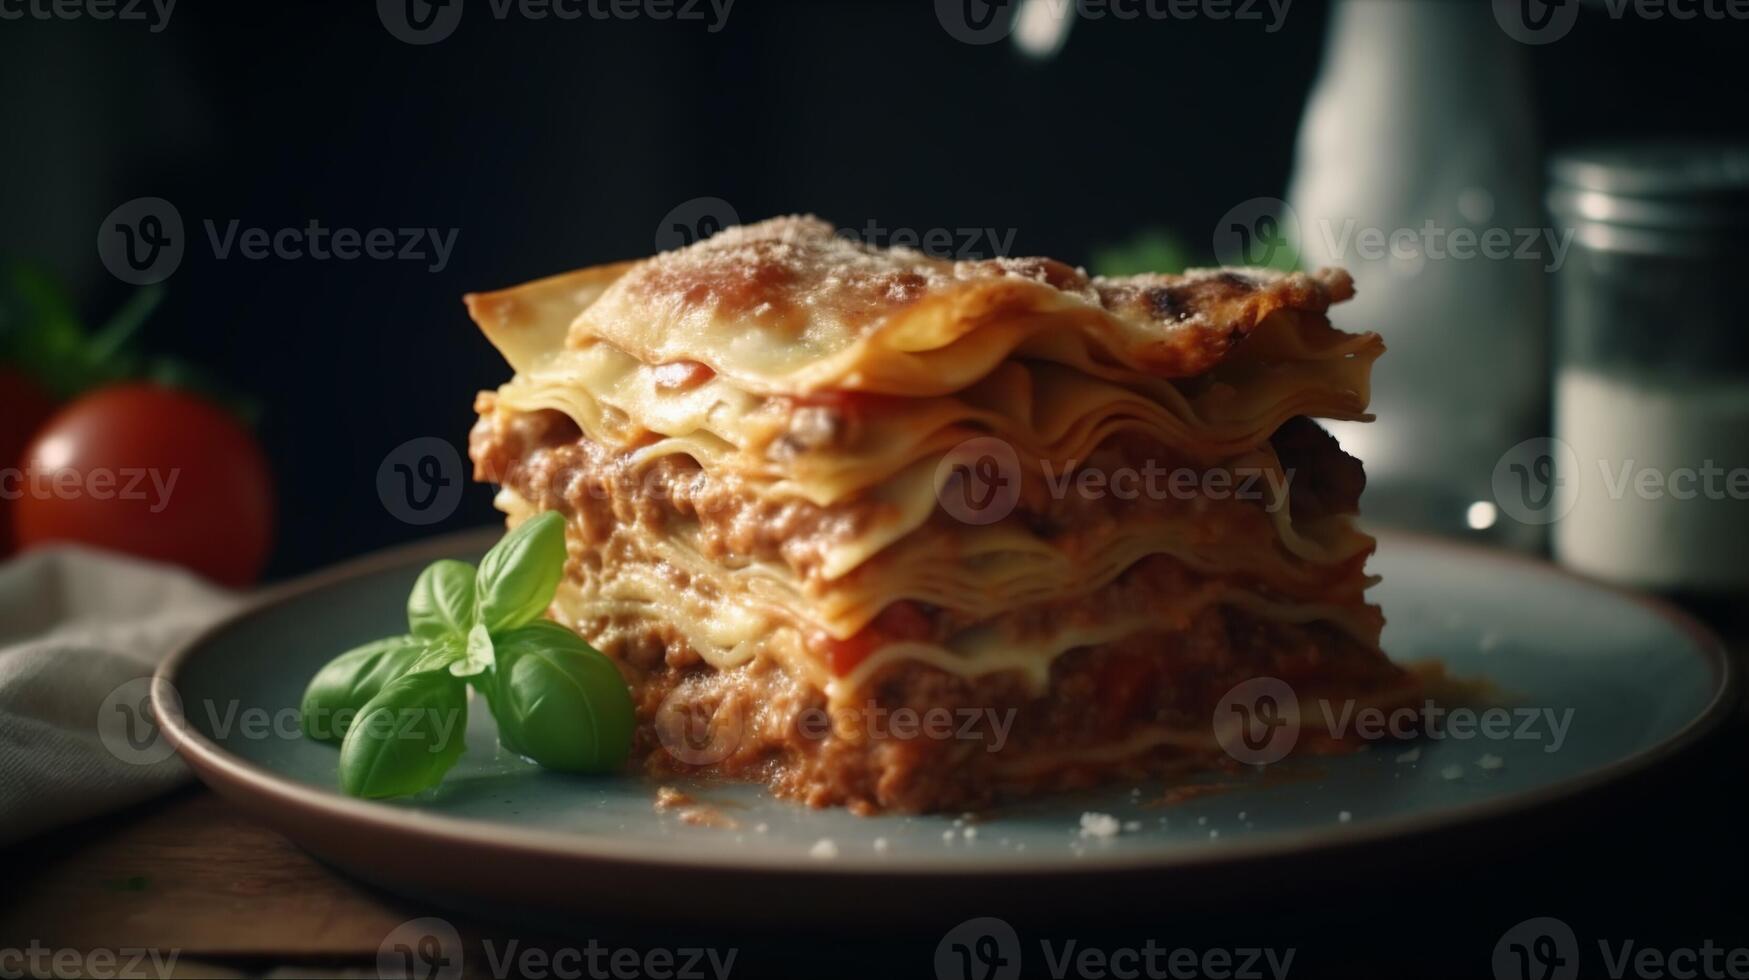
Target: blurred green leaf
[(42, 335), (174, 372), (1152, 250), (39, 331), (124, 325)]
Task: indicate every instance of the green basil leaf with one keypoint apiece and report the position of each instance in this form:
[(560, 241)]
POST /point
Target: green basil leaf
[(487, 684), (406, 737), (559, 701), (347, 682), (442, 603), (478, 657), (519, 575), (440, 653)]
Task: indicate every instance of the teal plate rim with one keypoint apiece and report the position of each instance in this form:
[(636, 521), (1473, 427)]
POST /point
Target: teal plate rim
[(293, 801)]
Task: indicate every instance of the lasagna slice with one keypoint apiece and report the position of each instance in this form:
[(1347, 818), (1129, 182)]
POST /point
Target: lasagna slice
[(895, 532)]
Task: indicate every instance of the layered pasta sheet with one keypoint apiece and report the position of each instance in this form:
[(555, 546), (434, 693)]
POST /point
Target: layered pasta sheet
[(769, 441)]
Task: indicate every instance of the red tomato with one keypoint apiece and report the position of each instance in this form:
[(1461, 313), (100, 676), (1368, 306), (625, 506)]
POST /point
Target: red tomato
[(154, 472), (24, 406)]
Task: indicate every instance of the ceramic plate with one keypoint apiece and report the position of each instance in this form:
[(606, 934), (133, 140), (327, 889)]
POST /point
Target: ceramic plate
[(1589, 684)]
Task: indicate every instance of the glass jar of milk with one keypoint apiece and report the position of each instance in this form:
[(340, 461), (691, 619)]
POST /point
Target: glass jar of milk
[(1651, 448)]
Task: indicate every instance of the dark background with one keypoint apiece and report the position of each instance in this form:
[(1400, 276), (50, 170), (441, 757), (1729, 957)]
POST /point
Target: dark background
[(553, 144)]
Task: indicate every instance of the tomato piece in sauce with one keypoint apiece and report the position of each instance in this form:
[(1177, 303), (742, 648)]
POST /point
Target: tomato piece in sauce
[(898, 622)]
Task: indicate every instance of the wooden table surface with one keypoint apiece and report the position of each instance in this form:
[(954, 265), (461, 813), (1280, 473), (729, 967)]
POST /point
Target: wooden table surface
[(190, 872)]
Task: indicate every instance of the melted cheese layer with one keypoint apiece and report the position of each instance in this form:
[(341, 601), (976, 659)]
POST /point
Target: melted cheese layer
[(1046, 412)]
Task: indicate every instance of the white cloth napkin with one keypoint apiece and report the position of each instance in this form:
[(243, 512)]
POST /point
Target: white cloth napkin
[(80, 633)]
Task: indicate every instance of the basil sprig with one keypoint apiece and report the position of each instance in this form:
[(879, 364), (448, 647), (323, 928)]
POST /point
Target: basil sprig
[(398, 706)]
